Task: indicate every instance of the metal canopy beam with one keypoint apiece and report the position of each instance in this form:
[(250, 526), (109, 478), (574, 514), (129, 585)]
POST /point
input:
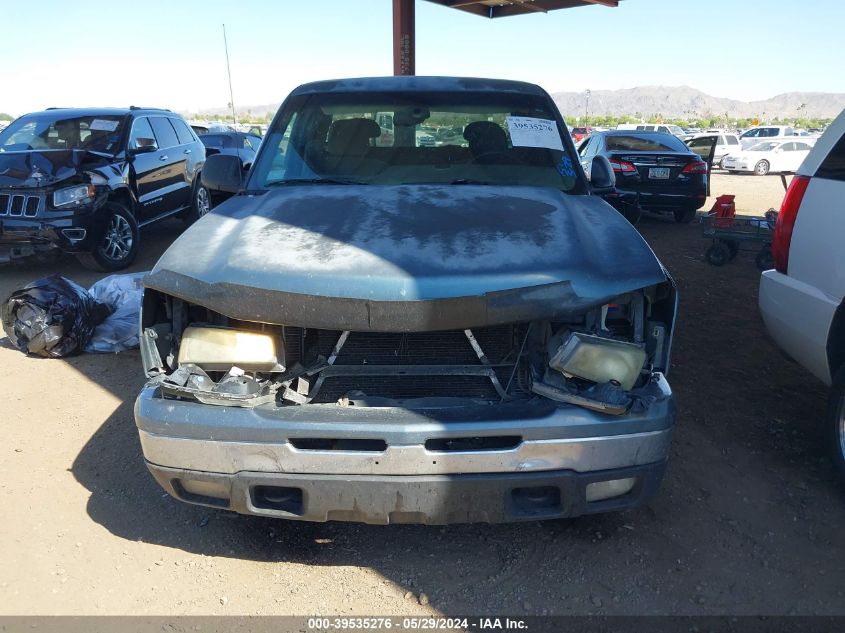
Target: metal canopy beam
[(403, 37), (404, 62), (505, 8)]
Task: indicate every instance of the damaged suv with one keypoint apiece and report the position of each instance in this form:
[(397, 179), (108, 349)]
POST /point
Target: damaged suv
[(374, 329), (85, 179)]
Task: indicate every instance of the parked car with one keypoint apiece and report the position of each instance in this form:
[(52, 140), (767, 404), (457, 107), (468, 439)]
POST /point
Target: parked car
[(203, 128), (405, 333), (754, 135), (666, 128), (666, 175), (235, 143), (85, 181), (770, 157), (725, 143), (580, 133), (801, 299)]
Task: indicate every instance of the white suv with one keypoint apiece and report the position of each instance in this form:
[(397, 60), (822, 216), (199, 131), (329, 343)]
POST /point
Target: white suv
[(801, 300)]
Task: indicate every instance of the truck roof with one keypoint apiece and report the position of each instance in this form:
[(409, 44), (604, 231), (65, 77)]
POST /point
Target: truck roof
[(404, 83)]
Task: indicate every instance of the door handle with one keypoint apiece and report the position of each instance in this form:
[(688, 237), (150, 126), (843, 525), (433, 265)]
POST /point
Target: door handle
[(162, 158), (187, 151)]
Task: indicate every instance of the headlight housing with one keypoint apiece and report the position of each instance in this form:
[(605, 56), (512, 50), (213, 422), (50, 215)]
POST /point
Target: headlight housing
[(73, 195), (220, 349), (599, 359)]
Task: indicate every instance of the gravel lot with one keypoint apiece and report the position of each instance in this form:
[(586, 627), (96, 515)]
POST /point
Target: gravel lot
[(748, 520)]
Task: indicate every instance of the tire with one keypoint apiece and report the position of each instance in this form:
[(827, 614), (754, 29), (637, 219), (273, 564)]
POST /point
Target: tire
[(119, 244), (633, 215), (722, 162), (765, 260), (718, 255), (835, 423), (200, 203), (733, 247), (684, 216), (761, 168)]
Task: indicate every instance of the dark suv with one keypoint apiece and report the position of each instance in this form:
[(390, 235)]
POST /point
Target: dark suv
[(85, 180)]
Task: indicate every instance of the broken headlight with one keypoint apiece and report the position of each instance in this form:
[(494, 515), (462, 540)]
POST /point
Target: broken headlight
[(73, 195), (599, 359), (220, 349)]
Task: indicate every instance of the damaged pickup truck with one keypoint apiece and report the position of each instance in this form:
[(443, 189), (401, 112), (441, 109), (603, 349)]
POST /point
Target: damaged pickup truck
[(374, 329)]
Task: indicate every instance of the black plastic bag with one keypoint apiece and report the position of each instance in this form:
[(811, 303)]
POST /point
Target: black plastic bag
[(51, 317)]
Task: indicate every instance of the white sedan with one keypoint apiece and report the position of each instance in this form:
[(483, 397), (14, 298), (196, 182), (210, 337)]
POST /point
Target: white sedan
[(770, 156)]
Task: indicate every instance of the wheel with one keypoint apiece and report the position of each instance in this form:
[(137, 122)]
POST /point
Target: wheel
[(718, 255), (761, 168), (733, 247), (633, 215), (835, 423), (119, 245), (765, 260), (200, 203), (684, 216), (722, 162)]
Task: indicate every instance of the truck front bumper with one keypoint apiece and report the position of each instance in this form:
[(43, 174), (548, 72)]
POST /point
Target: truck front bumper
[(494, 463)]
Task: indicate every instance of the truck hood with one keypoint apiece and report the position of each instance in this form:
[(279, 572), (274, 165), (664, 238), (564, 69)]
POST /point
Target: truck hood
[(406, 258), (45, 168)]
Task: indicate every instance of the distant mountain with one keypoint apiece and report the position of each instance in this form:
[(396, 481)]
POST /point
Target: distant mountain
[(673, 102), (683, 102), (247, 110)]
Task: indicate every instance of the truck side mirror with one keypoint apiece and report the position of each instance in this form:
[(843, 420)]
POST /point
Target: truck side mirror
[(601, 175), (223, 173)]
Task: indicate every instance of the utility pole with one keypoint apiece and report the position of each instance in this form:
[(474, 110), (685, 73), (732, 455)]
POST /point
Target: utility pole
[(229, 72), (586, 107)]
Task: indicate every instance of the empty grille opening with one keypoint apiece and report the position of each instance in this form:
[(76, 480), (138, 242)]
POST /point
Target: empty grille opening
[(442, 349), (407, 387), (412, 348), (280, 498), (4, 203), (331, 444), (456, 444)]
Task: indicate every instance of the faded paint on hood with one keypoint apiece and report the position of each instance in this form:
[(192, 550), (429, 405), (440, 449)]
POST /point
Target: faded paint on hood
[(401, 245)]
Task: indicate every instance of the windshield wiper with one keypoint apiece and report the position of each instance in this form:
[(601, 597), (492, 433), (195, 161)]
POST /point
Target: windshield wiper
[(467, 181), (314, 181)]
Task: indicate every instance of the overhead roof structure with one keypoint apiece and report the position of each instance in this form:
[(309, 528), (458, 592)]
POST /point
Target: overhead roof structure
[(403, 20), (504, 8)]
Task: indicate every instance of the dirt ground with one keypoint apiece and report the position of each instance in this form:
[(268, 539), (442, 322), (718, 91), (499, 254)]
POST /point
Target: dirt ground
[(754, 194), (748, 520)]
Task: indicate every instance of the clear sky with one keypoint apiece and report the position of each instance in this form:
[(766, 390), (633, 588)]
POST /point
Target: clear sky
[(169, 53)]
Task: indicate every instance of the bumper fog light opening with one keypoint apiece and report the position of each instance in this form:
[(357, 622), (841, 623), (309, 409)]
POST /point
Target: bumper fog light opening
[(210, 493), (610, 489), (74, 235)]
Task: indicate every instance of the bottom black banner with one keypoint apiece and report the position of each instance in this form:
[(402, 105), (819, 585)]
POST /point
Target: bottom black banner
[(439, 624)]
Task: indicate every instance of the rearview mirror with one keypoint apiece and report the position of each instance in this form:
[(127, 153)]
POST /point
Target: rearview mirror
[(601, 175), (223, 172)]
